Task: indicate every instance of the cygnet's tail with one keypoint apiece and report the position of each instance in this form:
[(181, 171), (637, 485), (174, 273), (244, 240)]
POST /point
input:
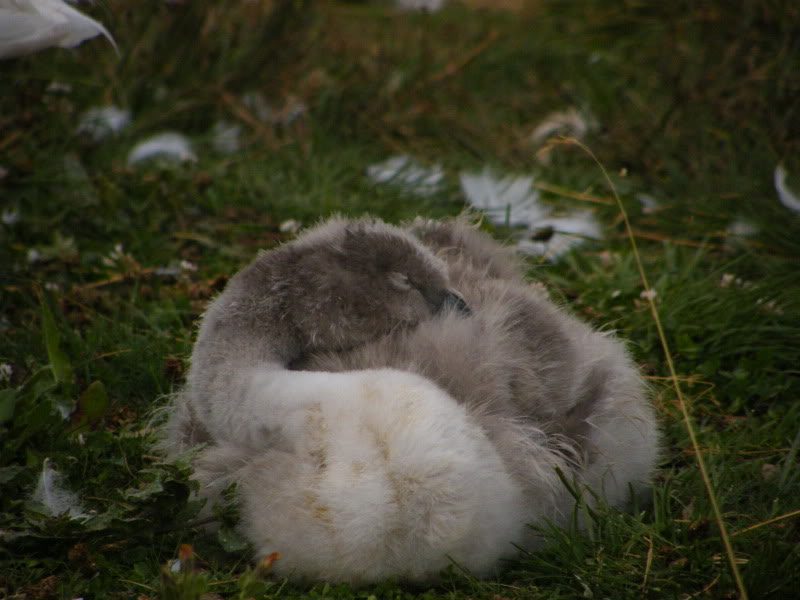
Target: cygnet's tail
[(386, 476)]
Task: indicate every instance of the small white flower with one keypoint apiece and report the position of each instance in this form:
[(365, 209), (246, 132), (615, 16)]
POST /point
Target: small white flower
[(648, 294), (188, 266), (6, 371)]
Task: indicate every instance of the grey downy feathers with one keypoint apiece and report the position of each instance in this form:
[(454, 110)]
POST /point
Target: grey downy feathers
[(338, 286), (379, 428)]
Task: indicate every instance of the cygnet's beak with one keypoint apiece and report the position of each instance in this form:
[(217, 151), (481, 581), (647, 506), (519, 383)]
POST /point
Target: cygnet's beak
[(451, 300)]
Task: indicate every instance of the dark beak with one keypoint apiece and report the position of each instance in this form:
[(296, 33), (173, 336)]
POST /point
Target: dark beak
[(451, 300)]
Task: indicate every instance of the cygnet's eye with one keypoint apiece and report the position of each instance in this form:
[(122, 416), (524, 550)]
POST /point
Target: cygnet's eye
[(400, 281)]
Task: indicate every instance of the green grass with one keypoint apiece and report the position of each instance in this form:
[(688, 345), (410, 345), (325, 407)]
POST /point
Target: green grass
[(696, 105)]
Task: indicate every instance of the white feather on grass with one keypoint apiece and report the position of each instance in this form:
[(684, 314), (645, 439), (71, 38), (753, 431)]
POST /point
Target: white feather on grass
[(100, 122), (51, 493), (27, 26), (567, 233), (167, 148), (510, 201), (787, 197), (264, 112), (564, 122), (421, 5), (649, 203), (741, 227), (514, 202), (225, 137), (401, 170)]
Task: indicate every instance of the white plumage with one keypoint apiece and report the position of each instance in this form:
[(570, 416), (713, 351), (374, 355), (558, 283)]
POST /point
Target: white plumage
[(27, 26), (376, 474)]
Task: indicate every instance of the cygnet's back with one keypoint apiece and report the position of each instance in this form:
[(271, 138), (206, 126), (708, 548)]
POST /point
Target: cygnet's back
[(539, 381)]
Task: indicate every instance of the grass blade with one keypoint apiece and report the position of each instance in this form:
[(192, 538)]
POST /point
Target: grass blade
[(687, 419)]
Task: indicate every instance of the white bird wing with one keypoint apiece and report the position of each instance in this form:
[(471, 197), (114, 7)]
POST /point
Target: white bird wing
[(28, 26)]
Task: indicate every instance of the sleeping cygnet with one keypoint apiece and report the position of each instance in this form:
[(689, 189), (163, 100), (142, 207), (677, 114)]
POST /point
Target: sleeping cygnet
[(427, 440), (338, 286)]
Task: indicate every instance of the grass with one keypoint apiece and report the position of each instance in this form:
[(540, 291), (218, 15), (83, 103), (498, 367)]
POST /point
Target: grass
[(695, 106)]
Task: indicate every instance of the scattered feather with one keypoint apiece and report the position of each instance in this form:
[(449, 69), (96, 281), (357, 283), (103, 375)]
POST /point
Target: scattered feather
[(568, 232), (258, 106), (422, 5), (27, 26), (649, 203), (102, 121), (9, 216), (51, 493), (787, 197), (265, 113), (293, 110), (742, 227), (511, 201), (401, 170), (514, 202), (290, 226), (58, 87), (568, 122), (167, 148), (226, 137)]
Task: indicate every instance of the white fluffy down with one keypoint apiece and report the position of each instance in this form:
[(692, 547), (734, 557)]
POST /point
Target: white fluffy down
[(374, 474)]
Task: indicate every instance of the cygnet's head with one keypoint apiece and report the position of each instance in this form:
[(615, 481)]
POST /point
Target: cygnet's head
[(346, 282)]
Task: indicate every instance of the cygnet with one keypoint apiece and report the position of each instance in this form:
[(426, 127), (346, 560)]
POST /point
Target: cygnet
[(403, 441)]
